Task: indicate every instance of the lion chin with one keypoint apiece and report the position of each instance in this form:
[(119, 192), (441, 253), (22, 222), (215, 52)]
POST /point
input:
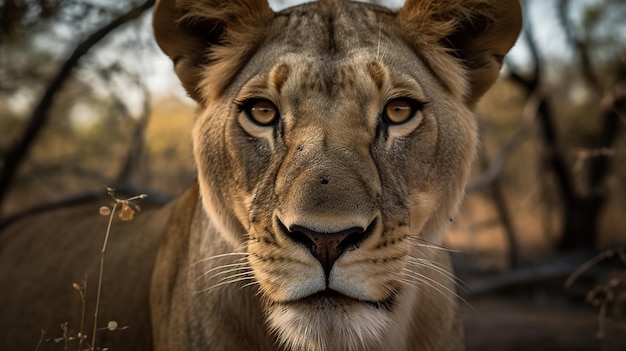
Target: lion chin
[(329, 321)]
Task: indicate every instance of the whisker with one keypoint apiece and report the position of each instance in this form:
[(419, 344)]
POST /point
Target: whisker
[(244, 274), (422, 262), (427, 244), (227, 271), (249, 284), (419, 282), (383, 53), (240, 264), (232, 270), (423, 280), (412, 274), (222, 284), (429, 261), (410, 282), (230, 254), (380, 29)]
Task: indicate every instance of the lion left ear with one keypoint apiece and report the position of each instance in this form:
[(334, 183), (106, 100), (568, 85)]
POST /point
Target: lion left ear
[(478, 32), (205, 36)]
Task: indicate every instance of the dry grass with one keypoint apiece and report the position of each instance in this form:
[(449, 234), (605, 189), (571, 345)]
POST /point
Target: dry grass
[(608, 295), (125, 210)]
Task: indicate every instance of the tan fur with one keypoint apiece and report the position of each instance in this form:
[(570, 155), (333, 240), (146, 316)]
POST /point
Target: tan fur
[(246, 260)]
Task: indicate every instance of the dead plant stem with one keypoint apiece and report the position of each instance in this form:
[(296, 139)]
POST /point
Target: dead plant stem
[(83, 293), (99, 290)]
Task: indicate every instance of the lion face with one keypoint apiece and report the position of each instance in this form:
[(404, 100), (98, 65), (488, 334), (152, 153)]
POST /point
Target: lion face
[(336, 170), (333, 149)]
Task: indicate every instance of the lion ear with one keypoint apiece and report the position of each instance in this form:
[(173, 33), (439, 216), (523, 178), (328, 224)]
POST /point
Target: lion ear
[(478, 32), (199, 35)]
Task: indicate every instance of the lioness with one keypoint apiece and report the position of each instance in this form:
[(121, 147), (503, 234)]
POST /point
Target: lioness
[(333, 145)]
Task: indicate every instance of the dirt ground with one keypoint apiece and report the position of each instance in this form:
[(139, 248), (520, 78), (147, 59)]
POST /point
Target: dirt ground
[(499, 323)]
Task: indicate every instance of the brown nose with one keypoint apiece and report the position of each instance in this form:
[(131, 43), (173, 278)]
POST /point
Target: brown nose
[(326, 247)]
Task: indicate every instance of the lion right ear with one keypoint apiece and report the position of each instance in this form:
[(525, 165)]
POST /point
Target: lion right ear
[(208, 40), (478, 33)]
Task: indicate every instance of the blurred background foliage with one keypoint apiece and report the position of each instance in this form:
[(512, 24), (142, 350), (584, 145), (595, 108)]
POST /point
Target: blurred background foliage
[(87, 100)]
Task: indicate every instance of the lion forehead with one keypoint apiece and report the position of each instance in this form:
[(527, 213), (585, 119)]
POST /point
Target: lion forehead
[(321, 27), (327, 48)]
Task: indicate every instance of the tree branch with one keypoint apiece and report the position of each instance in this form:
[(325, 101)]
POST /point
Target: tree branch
[(582, 47), (40, 116), (524, 127)]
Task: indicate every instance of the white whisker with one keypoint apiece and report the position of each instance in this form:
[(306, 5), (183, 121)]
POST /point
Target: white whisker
[(422, 262), (223, 283), (249, 284), (424, 278), (239, 267), (410, 282), (425, 263), (427, 244), (380, 29), (241, 264), (430, 281), (237, 254), (420, 283), (232, 270), (238, 275), (231, 266)]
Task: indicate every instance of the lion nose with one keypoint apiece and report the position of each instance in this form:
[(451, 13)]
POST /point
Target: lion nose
[(327, 247)]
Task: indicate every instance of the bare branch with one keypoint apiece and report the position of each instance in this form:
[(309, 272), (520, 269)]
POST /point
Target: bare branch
[(557, 269), (137, 139), (40, 115), (524, 127), (582, 48), (154, 198)]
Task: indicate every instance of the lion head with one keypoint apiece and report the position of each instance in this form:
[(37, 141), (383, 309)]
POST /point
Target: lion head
[(333, 145)]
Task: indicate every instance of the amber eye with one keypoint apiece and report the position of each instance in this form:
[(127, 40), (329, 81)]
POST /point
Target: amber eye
[(262, 112), (399, 111)]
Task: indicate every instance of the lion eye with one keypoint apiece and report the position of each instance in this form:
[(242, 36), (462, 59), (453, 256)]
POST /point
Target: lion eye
[(399, 111), (262, 112)]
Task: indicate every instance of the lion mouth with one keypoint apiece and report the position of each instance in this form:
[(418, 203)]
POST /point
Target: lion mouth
[(333, 299)]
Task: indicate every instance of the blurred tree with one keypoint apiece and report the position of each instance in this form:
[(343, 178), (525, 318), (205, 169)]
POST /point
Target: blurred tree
[(598, 56), (21, 15), (29, 52)]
